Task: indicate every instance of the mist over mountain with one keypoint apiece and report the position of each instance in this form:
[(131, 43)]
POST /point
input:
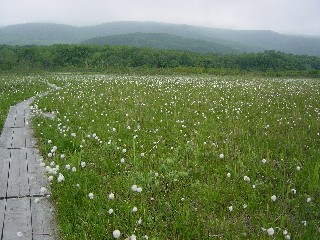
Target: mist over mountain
[(177, 36)]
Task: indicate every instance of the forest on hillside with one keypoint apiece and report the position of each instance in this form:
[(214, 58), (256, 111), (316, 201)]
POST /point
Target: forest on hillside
[(99, 58)]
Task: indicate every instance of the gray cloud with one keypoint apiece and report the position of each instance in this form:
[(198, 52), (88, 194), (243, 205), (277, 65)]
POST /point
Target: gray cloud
[(285, 16)]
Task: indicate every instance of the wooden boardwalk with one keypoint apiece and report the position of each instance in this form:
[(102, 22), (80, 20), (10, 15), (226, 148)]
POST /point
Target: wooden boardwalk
[(25, 211)]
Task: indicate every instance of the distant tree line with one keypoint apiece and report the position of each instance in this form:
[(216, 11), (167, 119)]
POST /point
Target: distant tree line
[(99, 58)]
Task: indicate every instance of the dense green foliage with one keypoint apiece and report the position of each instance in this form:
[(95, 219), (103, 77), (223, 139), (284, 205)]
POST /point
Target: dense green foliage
[(99, 58), (242, 41), (162, 41), (215, 157)]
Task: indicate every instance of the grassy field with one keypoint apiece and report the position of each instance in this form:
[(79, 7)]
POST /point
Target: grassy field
[(182, 157), (16, 88)]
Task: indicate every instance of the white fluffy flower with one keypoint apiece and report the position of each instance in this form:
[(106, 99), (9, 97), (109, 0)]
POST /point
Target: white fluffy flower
[(60, 178), (230, 208), (246, 178), (134, 209), (228, 174), (308, 200), (133, 237), (68, 166), (263, 160), (110, 211), (83, 164), (221, 155), (116, 233), (90, 195), (273, 198), (270, 231), (43, 190), (111, 196), (134, 187)]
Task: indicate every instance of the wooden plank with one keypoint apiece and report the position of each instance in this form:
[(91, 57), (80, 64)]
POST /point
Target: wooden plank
[(43, 219), (18, 138), (31, 142), (6, 138), (19, 120), (18, 174), (2, 210), (36, 173), (17, 221), (10, 121), (4, 171)]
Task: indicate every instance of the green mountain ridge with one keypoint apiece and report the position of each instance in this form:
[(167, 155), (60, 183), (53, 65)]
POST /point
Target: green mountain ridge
[(162, 41), (237, 40)]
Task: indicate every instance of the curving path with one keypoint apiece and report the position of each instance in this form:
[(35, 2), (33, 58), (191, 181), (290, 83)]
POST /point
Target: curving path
[(25, 211)]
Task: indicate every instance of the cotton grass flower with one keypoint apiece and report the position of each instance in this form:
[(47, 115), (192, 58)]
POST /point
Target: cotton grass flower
[(221, 156), (116, 234), (83, 164), (111, 196), (273, 198), (90, 195), (263, 160), (110, 211), (133, 237), (134, 209), (60, 177), (270, 231), (135, 188), (246, 178), (230, 208), (228, 174), (43, 190), (308, 200)]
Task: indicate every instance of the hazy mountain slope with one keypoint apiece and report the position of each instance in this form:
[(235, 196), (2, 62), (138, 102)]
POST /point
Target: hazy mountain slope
[(161, 41), (242, 41), (40, 34)]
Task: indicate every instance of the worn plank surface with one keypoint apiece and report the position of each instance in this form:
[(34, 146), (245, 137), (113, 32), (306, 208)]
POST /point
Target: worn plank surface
[(4, 171), (42, 219), (2, 210), (17, 222), (35, 171), (21, 178), (18, 182)]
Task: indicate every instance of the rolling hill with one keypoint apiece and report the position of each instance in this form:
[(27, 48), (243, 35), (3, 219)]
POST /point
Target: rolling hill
[(230, 40), (162, 41)]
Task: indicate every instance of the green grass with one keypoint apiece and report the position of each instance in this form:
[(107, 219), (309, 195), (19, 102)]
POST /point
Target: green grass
[(170, 131), (16, 88)]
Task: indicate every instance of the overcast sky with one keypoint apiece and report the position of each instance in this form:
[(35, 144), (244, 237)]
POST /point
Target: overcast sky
[(284, 16)]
